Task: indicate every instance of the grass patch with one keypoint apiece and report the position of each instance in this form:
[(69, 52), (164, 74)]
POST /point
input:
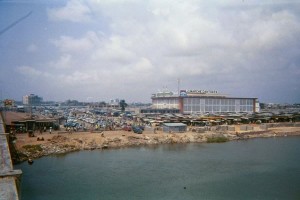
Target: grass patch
[(217, 139), (33, 148), (68, 146)]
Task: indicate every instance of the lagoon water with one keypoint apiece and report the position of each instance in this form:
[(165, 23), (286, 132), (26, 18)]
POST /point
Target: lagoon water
[(250, 169)]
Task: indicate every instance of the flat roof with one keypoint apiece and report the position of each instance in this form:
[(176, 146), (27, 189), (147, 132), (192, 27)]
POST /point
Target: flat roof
[(9, 117), (175, 124), (204, 97)]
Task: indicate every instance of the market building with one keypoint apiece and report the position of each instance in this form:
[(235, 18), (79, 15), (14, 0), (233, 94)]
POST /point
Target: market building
[(18, 122), (203, 101)]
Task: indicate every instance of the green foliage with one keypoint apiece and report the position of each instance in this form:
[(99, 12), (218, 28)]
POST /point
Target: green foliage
[(123, 104), (19, 157), (55, 127), (33, 148), (69, 146), (217, 139)]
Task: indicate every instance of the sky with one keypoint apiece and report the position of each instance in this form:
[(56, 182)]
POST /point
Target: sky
[(97, 50)]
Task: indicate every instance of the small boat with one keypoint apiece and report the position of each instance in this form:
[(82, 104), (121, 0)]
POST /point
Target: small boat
[(30, 161)]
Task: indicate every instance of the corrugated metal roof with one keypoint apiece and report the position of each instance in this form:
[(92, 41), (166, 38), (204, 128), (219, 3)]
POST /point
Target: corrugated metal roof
[(12, 117), (174, 124)]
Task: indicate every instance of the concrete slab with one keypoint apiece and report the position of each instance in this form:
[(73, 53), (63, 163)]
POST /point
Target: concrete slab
[(8, 189), (8, 176), (5, 162)]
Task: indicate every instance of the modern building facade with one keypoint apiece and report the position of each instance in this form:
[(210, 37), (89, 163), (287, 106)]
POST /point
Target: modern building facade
[(203, 101), (32, 100), (149, 111)]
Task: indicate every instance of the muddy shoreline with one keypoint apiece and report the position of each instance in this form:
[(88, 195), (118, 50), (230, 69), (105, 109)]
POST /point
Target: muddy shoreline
[(62, 142)]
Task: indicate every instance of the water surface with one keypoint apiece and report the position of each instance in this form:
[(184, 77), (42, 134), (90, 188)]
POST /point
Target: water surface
[(250, 169)]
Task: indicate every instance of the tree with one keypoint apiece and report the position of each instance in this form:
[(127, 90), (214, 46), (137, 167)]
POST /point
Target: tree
[(123, 104)]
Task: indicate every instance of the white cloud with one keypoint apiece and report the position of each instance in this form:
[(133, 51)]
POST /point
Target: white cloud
[(271, 31), (159, 40), (64, 62), (69, 44), (29, 71), (147, 44), (32, 48), (114, 50), (79, 78), (74, 11)]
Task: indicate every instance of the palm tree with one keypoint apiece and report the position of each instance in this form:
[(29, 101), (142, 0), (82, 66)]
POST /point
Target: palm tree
[(123, 104)]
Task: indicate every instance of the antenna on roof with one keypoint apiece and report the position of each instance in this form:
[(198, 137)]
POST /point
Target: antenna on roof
[(178, 86)]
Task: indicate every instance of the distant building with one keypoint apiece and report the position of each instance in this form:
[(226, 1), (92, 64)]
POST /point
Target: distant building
[(115, 102), (21, 122), (203, 101), (9, 102), (32, 100), (148, 111)]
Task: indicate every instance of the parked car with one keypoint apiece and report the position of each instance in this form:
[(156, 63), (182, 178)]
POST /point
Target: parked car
[(141, 127), (127, 128), (71, 124), (137, 130)]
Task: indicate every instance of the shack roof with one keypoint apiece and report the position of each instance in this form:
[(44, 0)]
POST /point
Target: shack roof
[(174, 124), (13, 117), (9, 116)]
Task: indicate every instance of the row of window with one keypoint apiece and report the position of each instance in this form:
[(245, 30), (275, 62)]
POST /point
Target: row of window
[(218, 101), (165, 101), (208, 108), (168, 106), (206, 105)]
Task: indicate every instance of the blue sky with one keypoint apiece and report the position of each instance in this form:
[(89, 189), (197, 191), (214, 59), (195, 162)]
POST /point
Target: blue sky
[(97, 50)]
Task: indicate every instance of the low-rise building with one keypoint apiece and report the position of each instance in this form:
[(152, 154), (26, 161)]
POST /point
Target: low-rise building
[(174, 127)]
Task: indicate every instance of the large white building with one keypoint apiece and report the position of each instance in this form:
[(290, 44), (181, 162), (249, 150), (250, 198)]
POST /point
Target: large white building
[(32, 99), (203, 101)]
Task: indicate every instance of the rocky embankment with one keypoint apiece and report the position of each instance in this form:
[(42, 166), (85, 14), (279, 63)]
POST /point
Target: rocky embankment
[(63, 143), (60, 144)]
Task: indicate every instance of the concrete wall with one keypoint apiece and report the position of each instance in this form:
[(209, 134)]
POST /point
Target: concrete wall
[(9, 178), (231, 128), (174, 129)]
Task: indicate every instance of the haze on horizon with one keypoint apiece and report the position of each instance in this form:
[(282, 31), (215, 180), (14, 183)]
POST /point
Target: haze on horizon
[(97, 50)]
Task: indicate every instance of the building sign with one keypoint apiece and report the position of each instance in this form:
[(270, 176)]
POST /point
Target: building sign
[(183, 93), (187, 92), (163, 94)]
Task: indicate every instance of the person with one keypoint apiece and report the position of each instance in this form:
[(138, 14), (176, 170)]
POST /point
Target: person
[(50, 130)]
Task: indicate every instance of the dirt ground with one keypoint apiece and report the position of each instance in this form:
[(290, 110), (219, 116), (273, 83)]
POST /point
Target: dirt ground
[(23, 139)]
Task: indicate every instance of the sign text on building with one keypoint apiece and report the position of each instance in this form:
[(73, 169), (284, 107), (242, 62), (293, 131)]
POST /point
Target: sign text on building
[(199, 91)]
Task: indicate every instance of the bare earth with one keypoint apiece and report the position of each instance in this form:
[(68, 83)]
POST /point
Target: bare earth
[(63, 142)]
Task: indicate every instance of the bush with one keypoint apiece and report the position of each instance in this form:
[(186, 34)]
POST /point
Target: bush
[(217, 139), (68, 146), (33, 148)]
